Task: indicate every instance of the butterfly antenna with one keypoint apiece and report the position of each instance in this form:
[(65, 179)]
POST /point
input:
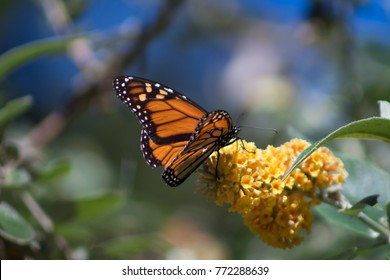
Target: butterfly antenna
[(240, 117), (261, 128)]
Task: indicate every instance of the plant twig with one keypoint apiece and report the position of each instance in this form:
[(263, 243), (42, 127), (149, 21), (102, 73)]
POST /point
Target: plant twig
[(46, 224), (35, 209)]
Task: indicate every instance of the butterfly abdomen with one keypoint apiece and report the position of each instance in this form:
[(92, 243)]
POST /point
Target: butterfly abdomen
[(213, 132)]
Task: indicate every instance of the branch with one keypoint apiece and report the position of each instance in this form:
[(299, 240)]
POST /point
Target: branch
[(56, 122)]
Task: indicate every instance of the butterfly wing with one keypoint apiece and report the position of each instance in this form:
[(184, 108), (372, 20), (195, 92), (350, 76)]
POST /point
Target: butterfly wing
[(213, 132), (168, 118), (155, 154)]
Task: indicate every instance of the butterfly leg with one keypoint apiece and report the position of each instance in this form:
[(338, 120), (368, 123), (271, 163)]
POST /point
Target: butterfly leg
[(244, 148), (216, 166)]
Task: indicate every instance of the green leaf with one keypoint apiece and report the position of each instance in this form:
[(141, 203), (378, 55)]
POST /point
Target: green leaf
[(359, 206), (346, 255), (384, 108), (388, 213), (76, 233), (377, 252), (372, 128), (13, 226), (91, 209), (16, 178), (14, 108), (333, 216), (366, 178), (131, 244), (53, 170), (24, 53)]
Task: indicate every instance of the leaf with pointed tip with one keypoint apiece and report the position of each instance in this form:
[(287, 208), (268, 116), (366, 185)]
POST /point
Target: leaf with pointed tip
[(371, 128), (359, 206)]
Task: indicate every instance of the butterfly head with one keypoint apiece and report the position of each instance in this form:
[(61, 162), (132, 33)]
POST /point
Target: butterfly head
[(230, 137)]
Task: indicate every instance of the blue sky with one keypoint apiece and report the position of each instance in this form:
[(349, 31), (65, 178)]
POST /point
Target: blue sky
[(369, 23)]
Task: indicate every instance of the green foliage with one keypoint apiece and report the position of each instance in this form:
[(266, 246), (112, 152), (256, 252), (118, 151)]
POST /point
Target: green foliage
[(52, 170), (367, 201), (47, 208), (346, 255), (13, 226), (15, 57), (363, 177), (333, 216), (16, 178), (358, 207), (90, 209), (12, 110), (371, 128)]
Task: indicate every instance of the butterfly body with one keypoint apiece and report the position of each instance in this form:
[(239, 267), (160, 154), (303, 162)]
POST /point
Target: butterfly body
[(176, 132)]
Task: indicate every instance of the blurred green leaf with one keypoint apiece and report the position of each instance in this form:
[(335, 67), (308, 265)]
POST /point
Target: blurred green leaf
[(76, 233), (90, 209), (121, 247), (378, 252), (333, 216), (359, 206), (388, 213), (54, 170), (346, 255), (14, 108), (384, 108), (22, 54), (13, 226), (16, 178), (372, 128), (365, 178)]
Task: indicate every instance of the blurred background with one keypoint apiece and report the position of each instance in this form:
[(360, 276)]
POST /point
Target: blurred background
[(304, 67)]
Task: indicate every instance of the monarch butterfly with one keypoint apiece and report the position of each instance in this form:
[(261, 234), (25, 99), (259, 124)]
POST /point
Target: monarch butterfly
[(176, 132)]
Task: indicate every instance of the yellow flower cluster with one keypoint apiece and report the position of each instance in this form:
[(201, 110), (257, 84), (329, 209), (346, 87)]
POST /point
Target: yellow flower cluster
[(250, 180)]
